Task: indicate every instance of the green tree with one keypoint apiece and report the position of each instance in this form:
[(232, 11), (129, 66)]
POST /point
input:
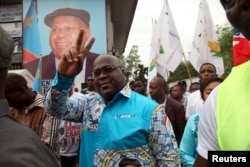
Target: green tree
[(141, 72), (225, 36), (132, 60), (122, 60), (181, 72)]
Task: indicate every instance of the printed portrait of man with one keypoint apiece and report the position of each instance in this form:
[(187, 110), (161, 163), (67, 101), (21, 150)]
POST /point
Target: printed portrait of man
[(64, 25)]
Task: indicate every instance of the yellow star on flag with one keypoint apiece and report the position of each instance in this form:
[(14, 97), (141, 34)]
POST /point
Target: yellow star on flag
[(27, 21)]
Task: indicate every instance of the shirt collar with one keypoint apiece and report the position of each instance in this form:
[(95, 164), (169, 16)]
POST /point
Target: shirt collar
[(126, 91)]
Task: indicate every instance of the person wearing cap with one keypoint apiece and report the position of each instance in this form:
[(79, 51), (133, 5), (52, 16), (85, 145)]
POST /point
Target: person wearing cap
[(223, 124), (20, 146), (27, 107), (65, 24)]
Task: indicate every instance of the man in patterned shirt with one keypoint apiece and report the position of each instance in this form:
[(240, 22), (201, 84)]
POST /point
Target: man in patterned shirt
[(117, 122), (27, 107)]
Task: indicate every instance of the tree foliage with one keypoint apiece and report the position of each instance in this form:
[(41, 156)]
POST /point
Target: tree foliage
[(122, 60), (131, 63), (183, 71), (225, 36), (133, 59), (141, 72)]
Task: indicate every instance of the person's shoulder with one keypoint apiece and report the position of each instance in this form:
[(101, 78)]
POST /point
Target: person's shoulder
[(77, 95), (195, 93), (193, 121), (174, 102), (194, 97), (49, 56), (24, 143), (186, 94), (18, 129), (195, 117), (142, 98)]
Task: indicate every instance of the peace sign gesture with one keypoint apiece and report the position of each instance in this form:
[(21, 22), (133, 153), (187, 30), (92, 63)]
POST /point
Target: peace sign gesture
[(72, 61)]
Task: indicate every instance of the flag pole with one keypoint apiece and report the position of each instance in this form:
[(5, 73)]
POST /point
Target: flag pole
[(188, 70), (41, 71)]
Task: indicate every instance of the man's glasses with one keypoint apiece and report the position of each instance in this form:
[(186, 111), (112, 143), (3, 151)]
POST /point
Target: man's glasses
[(64, 29), (105, 70)]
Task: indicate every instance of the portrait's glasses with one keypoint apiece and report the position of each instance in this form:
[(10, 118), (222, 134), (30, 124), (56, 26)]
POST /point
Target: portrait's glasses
[(64, 29), (105, 70)]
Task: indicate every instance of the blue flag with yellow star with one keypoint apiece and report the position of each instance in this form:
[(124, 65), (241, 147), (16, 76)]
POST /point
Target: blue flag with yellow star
[(31, 36)]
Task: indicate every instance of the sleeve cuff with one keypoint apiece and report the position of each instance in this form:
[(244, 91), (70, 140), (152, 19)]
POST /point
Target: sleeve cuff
[(62, 83)]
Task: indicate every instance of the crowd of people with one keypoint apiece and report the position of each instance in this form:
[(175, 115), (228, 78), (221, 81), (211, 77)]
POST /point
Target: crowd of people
[(115, 123)]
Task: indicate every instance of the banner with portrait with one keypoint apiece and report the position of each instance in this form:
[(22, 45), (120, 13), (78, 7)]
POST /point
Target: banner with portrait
[(54, 34)]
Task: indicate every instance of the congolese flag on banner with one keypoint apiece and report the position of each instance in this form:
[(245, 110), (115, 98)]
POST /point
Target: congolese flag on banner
[(31, 36)]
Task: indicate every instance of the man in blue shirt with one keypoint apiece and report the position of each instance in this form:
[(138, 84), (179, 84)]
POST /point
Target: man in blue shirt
[(117, 122)]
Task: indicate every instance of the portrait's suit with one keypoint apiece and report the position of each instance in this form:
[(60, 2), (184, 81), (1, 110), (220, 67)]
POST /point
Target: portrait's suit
[(176, 114), (49, 67)]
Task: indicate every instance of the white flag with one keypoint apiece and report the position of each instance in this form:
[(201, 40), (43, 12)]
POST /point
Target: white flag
[(152, 69), (166, 43), (204, 46)]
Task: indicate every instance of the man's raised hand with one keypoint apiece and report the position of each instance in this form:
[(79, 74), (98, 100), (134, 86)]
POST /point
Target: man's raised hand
[(72, 61)]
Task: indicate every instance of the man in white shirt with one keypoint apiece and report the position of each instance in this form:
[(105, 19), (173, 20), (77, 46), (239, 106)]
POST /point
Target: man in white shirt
[(194, 101)]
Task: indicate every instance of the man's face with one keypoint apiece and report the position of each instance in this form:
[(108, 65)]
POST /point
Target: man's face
[(209, 89), (90, 83), (64, 33), (206, 71), (109, 78), (140, 87), (176, 92), (155, 90), (238, 13), (194, 87)]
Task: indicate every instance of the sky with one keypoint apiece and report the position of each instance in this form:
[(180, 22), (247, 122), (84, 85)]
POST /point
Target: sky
[(185, 16)]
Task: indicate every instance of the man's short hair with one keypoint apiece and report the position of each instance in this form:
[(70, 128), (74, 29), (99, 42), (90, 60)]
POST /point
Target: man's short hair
[(210, 65), (79, 13), (140, 79)]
